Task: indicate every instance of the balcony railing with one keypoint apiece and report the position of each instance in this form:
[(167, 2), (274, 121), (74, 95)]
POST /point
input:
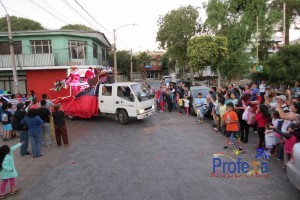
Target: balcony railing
[(49, 59)]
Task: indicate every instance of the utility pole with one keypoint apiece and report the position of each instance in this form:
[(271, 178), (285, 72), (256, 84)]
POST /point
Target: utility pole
[(115, 57), (284, 23), (131, 71), (257, 59), (12, 57)]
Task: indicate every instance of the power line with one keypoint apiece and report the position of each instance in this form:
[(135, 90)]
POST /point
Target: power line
[(78, 13), (92, 17), (4, 7), (54, 9), (16, 12), (38, 5)]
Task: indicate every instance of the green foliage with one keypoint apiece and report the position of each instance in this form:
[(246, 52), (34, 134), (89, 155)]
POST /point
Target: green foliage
[(19, 24), (207, 51), (143, 59), (78, 27), (284, 67), (123, 61), (292, 11), (237, 20), (167, 62), (175, 30)]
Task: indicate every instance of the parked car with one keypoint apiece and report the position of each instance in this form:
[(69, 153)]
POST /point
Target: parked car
[(167, 80), (293, 167), (186, 83), (194, 94)]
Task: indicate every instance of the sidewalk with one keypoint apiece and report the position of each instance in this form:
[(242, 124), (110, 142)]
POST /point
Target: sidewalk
[(31, 170)]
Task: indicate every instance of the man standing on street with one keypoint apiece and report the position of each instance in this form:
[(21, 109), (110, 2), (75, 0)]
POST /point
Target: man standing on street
[(44, 114), (21, 129)]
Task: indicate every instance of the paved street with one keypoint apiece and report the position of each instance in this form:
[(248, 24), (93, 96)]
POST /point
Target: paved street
[(165, 157)]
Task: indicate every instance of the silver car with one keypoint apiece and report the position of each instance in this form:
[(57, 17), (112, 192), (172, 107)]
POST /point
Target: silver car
[(293, 167), (195, 90)]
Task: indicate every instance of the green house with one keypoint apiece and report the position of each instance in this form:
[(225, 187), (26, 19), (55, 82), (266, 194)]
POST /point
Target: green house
[(50, 50)]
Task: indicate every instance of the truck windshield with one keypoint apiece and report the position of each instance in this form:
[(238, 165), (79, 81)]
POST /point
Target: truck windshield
[(141, 94)]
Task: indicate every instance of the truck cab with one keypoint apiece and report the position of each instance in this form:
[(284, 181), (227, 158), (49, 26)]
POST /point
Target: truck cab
[(125, 100)]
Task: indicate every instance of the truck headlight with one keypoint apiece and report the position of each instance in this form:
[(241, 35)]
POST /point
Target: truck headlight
[(140, 111)]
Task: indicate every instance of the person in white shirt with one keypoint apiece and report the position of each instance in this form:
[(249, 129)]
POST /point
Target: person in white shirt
[(262, 90), (13, 101), (186, 105)]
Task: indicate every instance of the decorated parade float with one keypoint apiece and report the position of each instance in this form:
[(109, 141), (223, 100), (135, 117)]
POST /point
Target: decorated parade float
[(82, 101)]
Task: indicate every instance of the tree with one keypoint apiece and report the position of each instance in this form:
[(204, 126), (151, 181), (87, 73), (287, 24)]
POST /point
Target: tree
[(207, 51), (123, 61), (143, 60), (283, 67), (292, 11), (167, 62), (175, 30), (237, 20), (78, 27), (19, 24)]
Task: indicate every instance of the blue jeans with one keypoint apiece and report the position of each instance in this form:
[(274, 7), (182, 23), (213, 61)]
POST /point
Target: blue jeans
[(36, 143), (24, 138)]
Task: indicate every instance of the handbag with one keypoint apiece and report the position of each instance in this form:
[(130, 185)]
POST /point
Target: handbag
[(250, 119), (246, 113)]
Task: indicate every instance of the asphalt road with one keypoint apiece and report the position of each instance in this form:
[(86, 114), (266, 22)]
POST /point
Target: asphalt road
[(165, 157)]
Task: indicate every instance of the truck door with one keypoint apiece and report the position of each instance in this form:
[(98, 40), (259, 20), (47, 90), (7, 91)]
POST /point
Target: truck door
[(106, 103), (125, 99)]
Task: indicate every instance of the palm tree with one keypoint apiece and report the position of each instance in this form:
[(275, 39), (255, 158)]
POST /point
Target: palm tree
[(144, 59)]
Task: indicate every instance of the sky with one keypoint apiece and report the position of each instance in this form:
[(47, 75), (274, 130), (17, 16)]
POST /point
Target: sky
[(110, 15)]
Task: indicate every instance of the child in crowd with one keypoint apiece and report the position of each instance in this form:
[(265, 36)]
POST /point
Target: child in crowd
[(1, 127), (222, 110), (231, 120), (10, 108), (6, 118), (34, 104), (270, 139), (7, 169), (161, 101), (157, 96), (261, 117), (200, 108), (60, 126), (186, 105), (180, 104)]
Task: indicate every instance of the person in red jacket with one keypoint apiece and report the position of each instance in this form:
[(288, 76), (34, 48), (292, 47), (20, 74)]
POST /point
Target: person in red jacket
[(261, 117)]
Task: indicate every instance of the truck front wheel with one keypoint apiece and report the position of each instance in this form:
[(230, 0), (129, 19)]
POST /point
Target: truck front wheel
[(123, 117)]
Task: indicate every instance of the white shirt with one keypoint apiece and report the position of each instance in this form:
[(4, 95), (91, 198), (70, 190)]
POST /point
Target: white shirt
[(262, 88), (186, 102)]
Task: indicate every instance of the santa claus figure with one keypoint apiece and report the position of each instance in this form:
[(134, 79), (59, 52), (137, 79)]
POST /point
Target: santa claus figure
[(89, 74), (74, 80)]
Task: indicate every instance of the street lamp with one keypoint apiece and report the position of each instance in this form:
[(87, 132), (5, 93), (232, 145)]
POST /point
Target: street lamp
[(115, 49)]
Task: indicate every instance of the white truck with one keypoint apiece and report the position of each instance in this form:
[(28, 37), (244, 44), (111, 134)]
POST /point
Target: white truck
[(125, 100)]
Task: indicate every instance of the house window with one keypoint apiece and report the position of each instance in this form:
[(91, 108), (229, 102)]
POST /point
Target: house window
[(41, 46), (4, 47), (95, 51), (77, 49), (103, 55)]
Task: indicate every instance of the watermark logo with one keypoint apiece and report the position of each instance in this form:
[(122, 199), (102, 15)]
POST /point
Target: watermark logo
[(226, 165)]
